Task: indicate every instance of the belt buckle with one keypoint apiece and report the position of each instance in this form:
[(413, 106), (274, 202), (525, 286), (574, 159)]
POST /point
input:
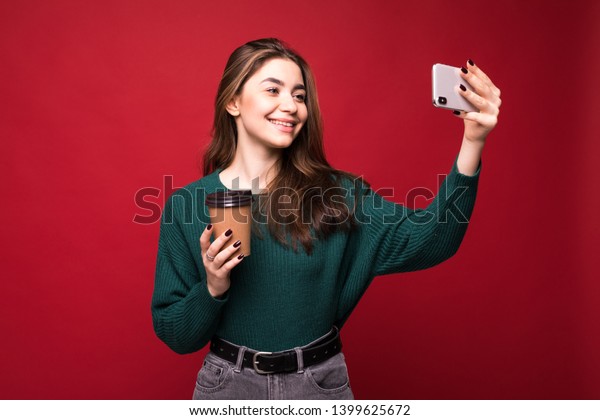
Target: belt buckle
[(255, 362)]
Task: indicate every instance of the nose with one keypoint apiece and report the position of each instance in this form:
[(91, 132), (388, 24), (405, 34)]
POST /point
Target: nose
[(288, 104)]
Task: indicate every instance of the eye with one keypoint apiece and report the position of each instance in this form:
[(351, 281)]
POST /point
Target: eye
[(273, 90), (301, 97)]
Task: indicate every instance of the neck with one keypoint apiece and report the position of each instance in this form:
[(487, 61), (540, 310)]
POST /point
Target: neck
[(252, 168)]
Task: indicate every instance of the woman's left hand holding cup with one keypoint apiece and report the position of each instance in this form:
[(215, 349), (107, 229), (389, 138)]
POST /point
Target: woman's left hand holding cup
[(217, 260)]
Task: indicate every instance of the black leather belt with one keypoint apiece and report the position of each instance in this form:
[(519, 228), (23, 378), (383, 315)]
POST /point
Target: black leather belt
[(283, 361)]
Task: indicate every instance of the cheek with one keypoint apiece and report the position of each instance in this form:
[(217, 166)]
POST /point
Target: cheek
[(258, 108), (303, 114), (304, 119)]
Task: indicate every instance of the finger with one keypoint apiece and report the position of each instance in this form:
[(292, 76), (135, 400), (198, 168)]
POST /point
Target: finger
[(227, 253), (228, 266), (218, 243), (205, 239), (473, 68), (485, 120), (478, 101), (479, 86)]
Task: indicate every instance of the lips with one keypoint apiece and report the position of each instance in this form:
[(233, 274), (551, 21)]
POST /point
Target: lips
[(285, 123), (286, 126)]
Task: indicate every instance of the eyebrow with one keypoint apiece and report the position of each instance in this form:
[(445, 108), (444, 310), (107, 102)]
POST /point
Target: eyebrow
[(280, 83)]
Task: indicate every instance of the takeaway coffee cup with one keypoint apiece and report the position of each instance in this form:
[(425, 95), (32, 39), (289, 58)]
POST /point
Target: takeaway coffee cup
[(232, 210)]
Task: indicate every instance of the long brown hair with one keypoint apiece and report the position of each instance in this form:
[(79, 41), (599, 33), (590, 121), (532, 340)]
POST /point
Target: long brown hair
[(305, 178)]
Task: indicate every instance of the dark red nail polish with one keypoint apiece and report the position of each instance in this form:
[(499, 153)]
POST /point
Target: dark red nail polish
[(237, 243), (209, 227), (464, 70), (241, 256), (456, 112), (229, 232), (470, 62), (463, 88)]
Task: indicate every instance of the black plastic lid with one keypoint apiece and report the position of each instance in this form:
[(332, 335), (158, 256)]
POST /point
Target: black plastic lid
[(232, 198), (240, 192)]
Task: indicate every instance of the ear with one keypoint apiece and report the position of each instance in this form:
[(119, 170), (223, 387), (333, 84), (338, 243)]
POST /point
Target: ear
[(232, 107)]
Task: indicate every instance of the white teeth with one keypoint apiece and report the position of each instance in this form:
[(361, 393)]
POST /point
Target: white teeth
[(287, 124)]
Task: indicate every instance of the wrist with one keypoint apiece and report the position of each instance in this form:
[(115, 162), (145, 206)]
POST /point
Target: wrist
[(216, 293), (474, 141), (469, 156)]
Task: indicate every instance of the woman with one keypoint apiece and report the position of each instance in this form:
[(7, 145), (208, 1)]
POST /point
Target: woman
[(273, 319)]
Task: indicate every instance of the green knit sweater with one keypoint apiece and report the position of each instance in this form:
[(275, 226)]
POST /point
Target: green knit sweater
[(280, 298)]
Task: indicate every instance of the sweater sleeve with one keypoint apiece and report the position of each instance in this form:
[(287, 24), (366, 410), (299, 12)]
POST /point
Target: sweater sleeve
[(401, 239), (391, 238), (184, 314)]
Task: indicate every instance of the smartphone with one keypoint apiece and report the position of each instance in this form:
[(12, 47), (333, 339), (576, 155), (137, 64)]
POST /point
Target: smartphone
[(445, 82)]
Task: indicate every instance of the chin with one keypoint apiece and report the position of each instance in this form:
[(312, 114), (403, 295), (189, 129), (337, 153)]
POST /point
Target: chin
[(281, 143)]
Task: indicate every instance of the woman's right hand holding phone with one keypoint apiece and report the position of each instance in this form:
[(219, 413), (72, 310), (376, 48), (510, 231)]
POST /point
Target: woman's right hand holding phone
[(478, 125), (486, 98)]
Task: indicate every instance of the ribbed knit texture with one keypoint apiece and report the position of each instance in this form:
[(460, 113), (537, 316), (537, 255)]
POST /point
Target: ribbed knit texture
[(280, 299)]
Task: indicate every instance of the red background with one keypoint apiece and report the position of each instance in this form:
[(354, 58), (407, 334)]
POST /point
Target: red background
[(100, 99)]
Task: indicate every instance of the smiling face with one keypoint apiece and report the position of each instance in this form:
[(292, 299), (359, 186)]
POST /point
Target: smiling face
[(270, 110)]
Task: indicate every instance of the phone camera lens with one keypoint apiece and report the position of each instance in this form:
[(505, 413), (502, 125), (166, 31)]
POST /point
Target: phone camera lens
[(442, 100)]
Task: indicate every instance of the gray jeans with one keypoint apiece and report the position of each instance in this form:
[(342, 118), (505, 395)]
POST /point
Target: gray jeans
[(219, 379)]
